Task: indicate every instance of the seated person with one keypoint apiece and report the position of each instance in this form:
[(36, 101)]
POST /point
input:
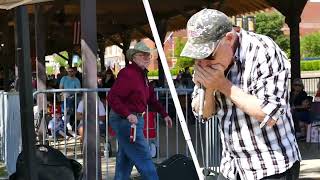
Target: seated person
[(102, 117), (303, 115), (297, 95), (56, 126), (317, 96)]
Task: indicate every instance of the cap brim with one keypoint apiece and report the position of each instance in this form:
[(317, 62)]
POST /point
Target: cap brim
[(197, 51), (131, 52)]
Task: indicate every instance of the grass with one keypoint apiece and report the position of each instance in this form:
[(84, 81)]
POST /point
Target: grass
[(3, 172)]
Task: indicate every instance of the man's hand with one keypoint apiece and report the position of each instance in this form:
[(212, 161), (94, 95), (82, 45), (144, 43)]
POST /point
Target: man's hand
[(132, 119), (168, 121), (211, 77), (195, 104), (271, 122)]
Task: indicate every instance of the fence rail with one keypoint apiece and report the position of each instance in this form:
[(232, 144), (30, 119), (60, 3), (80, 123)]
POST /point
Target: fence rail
[(167, 142)]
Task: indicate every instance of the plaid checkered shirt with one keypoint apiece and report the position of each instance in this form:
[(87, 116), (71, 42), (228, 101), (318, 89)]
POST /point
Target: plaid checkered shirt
[(249, 147)]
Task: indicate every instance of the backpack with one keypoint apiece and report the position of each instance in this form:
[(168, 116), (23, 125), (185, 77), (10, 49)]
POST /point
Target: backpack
[(52, 165)]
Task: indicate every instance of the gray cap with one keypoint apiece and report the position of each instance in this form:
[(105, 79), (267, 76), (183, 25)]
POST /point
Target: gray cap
[(139, 47), (204, 29)]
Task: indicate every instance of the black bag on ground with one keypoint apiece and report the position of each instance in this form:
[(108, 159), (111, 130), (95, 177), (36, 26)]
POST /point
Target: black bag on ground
[(177, 167), (52, 165)]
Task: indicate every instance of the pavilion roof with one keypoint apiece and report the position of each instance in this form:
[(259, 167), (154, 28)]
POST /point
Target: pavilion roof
[(116, 19)]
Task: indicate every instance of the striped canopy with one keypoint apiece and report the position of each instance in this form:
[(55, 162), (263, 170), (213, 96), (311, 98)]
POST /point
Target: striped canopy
[(9, 4)]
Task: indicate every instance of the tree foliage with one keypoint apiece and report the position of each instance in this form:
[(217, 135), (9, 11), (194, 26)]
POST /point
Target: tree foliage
[(49, 70), (270, 24), (310, 46), (182, 62), (61, 61)]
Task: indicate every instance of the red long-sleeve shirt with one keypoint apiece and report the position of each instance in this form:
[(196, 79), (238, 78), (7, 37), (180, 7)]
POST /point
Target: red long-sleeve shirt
[(131, 93)]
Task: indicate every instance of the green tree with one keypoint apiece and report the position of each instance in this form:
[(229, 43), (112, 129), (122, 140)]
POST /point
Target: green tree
[(270, 24), (61, 61), (50, 70), (310, 46), (182, 62)]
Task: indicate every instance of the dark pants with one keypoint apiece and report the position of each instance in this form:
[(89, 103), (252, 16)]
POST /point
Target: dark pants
[(290, 174)]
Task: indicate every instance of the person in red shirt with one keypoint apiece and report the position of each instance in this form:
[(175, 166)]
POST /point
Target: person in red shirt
[(128, 99), (317, 96)]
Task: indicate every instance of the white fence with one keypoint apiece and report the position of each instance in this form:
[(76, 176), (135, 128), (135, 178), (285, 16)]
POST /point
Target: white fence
[(10, 129)]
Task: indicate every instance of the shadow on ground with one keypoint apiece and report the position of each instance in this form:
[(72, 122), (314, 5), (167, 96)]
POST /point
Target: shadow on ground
[(310, 164)]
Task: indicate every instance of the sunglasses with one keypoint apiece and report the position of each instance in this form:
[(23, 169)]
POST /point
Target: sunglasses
[(143, 54), (210, 57)]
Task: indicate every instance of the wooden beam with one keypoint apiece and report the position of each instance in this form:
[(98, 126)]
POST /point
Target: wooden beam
[(25, 89), (40, 44), (89, 49), (126, 39), (101, 53), (63, 57), (162, 29)]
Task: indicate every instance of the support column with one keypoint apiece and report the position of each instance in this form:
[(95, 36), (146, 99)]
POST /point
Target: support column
[(69, 59), (16, 59), (102, 48), (6, 52), (40, 35), (162, 29), (89, 50), (126, 45), (25, 90), (292, 11), (293, 23)]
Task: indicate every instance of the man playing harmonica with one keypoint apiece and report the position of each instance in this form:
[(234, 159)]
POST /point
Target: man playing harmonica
[(245, 76)]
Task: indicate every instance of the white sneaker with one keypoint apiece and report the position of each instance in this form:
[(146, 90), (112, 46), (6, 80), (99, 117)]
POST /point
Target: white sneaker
[(153, 150), (69, 127)]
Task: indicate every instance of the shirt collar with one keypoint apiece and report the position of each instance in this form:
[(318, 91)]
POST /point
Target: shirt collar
[(238, 50), (136, 67), (243, 45)]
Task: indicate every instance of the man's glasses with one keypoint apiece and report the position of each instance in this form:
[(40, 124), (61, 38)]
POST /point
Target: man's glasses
[(143, 54)]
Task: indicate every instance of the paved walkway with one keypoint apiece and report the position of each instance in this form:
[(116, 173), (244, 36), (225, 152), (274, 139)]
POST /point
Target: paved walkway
[(310, 165), (309, 170)]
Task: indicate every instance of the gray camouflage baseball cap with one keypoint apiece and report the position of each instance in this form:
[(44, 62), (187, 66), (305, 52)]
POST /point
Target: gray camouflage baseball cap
[(204, 30)]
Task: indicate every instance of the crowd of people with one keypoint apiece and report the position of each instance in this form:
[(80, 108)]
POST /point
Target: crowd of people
[(245, 78), (70, 78)]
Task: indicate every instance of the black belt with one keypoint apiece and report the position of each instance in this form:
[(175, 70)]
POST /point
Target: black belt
[(139, 114)]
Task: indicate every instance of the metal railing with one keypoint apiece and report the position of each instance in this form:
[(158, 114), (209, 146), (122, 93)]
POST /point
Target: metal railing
[(2, 127), (167, 141), (310, 85)]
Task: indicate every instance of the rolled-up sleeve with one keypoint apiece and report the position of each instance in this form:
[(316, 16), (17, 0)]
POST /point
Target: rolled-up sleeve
[(271, 73)]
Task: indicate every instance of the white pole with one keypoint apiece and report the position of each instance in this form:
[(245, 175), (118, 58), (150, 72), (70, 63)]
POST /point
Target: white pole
[(171, 87)]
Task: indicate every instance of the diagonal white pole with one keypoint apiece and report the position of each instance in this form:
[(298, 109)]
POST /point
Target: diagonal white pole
[(171, 87)]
